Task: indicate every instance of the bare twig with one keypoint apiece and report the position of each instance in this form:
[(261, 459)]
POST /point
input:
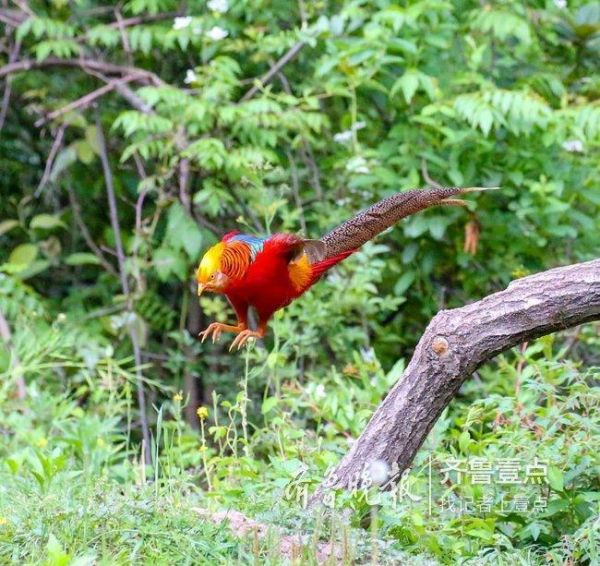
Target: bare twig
[(305, 150), (272, 72), (6, 336), (123, 89), (135, 341), (24, 6), (123, 23), (12, 18), (124, 39), (184, 172), (86, 100), (14, 53), (56, 145), (309, 160), (76, 208), (86, 65), (296, 190), (425, 172)]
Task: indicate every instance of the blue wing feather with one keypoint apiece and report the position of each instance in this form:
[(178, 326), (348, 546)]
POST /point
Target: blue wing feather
[(255, 243)]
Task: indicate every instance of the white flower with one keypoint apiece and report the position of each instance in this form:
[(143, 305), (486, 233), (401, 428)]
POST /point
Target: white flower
[(346, 135), (368, 354), (190, 77), (220, 6), (320, 391), (357, 164), (560, 4), (343, 137), (216, 33), (573, 146), (182, 22)]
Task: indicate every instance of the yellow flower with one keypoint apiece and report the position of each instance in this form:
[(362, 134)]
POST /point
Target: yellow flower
[(3, 521), (42, 442), (178, 398), (202, 413)]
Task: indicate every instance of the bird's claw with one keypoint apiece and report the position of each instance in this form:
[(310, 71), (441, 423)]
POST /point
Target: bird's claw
[(242, 338), (215, 328)]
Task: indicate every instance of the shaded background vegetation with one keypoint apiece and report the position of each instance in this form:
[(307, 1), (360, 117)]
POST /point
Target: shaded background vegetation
[(161, 105)]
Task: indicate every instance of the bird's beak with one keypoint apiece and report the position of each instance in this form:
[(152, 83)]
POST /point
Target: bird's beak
[(200, 288)]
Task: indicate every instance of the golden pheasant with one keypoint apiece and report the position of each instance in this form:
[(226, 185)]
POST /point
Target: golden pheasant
[(268, 273)]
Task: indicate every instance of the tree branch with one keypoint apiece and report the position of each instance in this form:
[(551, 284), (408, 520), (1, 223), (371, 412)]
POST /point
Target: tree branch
[(272, 72), (56, 145), (86, 100), (6, 337), (454, 345), (135, 340), (76, 208), (12, 57), (86, 65)]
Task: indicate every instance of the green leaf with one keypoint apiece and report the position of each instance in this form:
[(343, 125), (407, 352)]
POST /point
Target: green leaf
[(183, 232), (556, 478), (82, 258), (23, 254), (464, 441), (33, 268), (85, 152), (7, 226), (404, 282), (408, 83), (46, 222), (268, 404), (168, 261)]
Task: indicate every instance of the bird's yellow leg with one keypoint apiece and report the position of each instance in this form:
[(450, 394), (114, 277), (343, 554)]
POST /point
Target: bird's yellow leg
[(216, 328), (245, 335)]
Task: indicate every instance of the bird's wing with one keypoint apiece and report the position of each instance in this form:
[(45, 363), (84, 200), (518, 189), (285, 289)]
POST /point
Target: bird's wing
[(303, 256)]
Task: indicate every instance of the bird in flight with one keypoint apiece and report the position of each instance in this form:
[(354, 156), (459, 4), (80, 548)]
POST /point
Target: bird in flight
[(269, 272)]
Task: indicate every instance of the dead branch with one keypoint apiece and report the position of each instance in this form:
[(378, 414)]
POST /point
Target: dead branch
[(455, 343), (12, 57), (86, 65), (6, 337), (76, 208), (135, 339), (272, 72), (56, 145), (86, 100)]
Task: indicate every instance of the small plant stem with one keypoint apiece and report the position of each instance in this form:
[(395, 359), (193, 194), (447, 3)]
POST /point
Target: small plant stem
[(244, 406)]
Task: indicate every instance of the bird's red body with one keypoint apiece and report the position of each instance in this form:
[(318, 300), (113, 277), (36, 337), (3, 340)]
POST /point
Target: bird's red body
[(266, 274), (267, 285)]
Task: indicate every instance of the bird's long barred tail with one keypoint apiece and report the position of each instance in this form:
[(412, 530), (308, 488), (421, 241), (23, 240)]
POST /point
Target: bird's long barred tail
[(363, 227)]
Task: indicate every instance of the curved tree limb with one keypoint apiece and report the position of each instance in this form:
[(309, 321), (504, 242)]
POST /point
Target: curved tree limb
[(455, 343), (86, 65)]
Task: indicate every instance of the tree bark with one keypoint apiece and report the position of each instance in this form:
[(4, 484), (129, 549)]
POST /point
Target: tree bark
[(455, 343)]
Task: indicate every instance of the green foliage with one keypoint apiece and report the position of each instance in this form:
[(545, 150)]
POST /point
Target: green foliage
[(382, 96)]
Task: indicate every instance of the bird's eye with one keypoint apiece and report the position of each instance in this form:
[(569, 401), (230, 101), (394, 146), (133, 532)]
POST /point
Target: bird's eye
[(212, 276)]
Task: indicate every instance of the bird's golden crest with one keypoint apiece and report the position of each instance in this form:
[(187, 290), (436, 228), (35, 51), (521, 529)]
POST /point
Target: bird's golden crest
[(210, 263)]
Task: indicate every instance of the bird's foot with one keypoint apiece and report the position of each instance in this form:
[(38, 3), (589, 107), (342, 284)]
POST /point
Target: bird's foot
[(244, 336), (217, 328)]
